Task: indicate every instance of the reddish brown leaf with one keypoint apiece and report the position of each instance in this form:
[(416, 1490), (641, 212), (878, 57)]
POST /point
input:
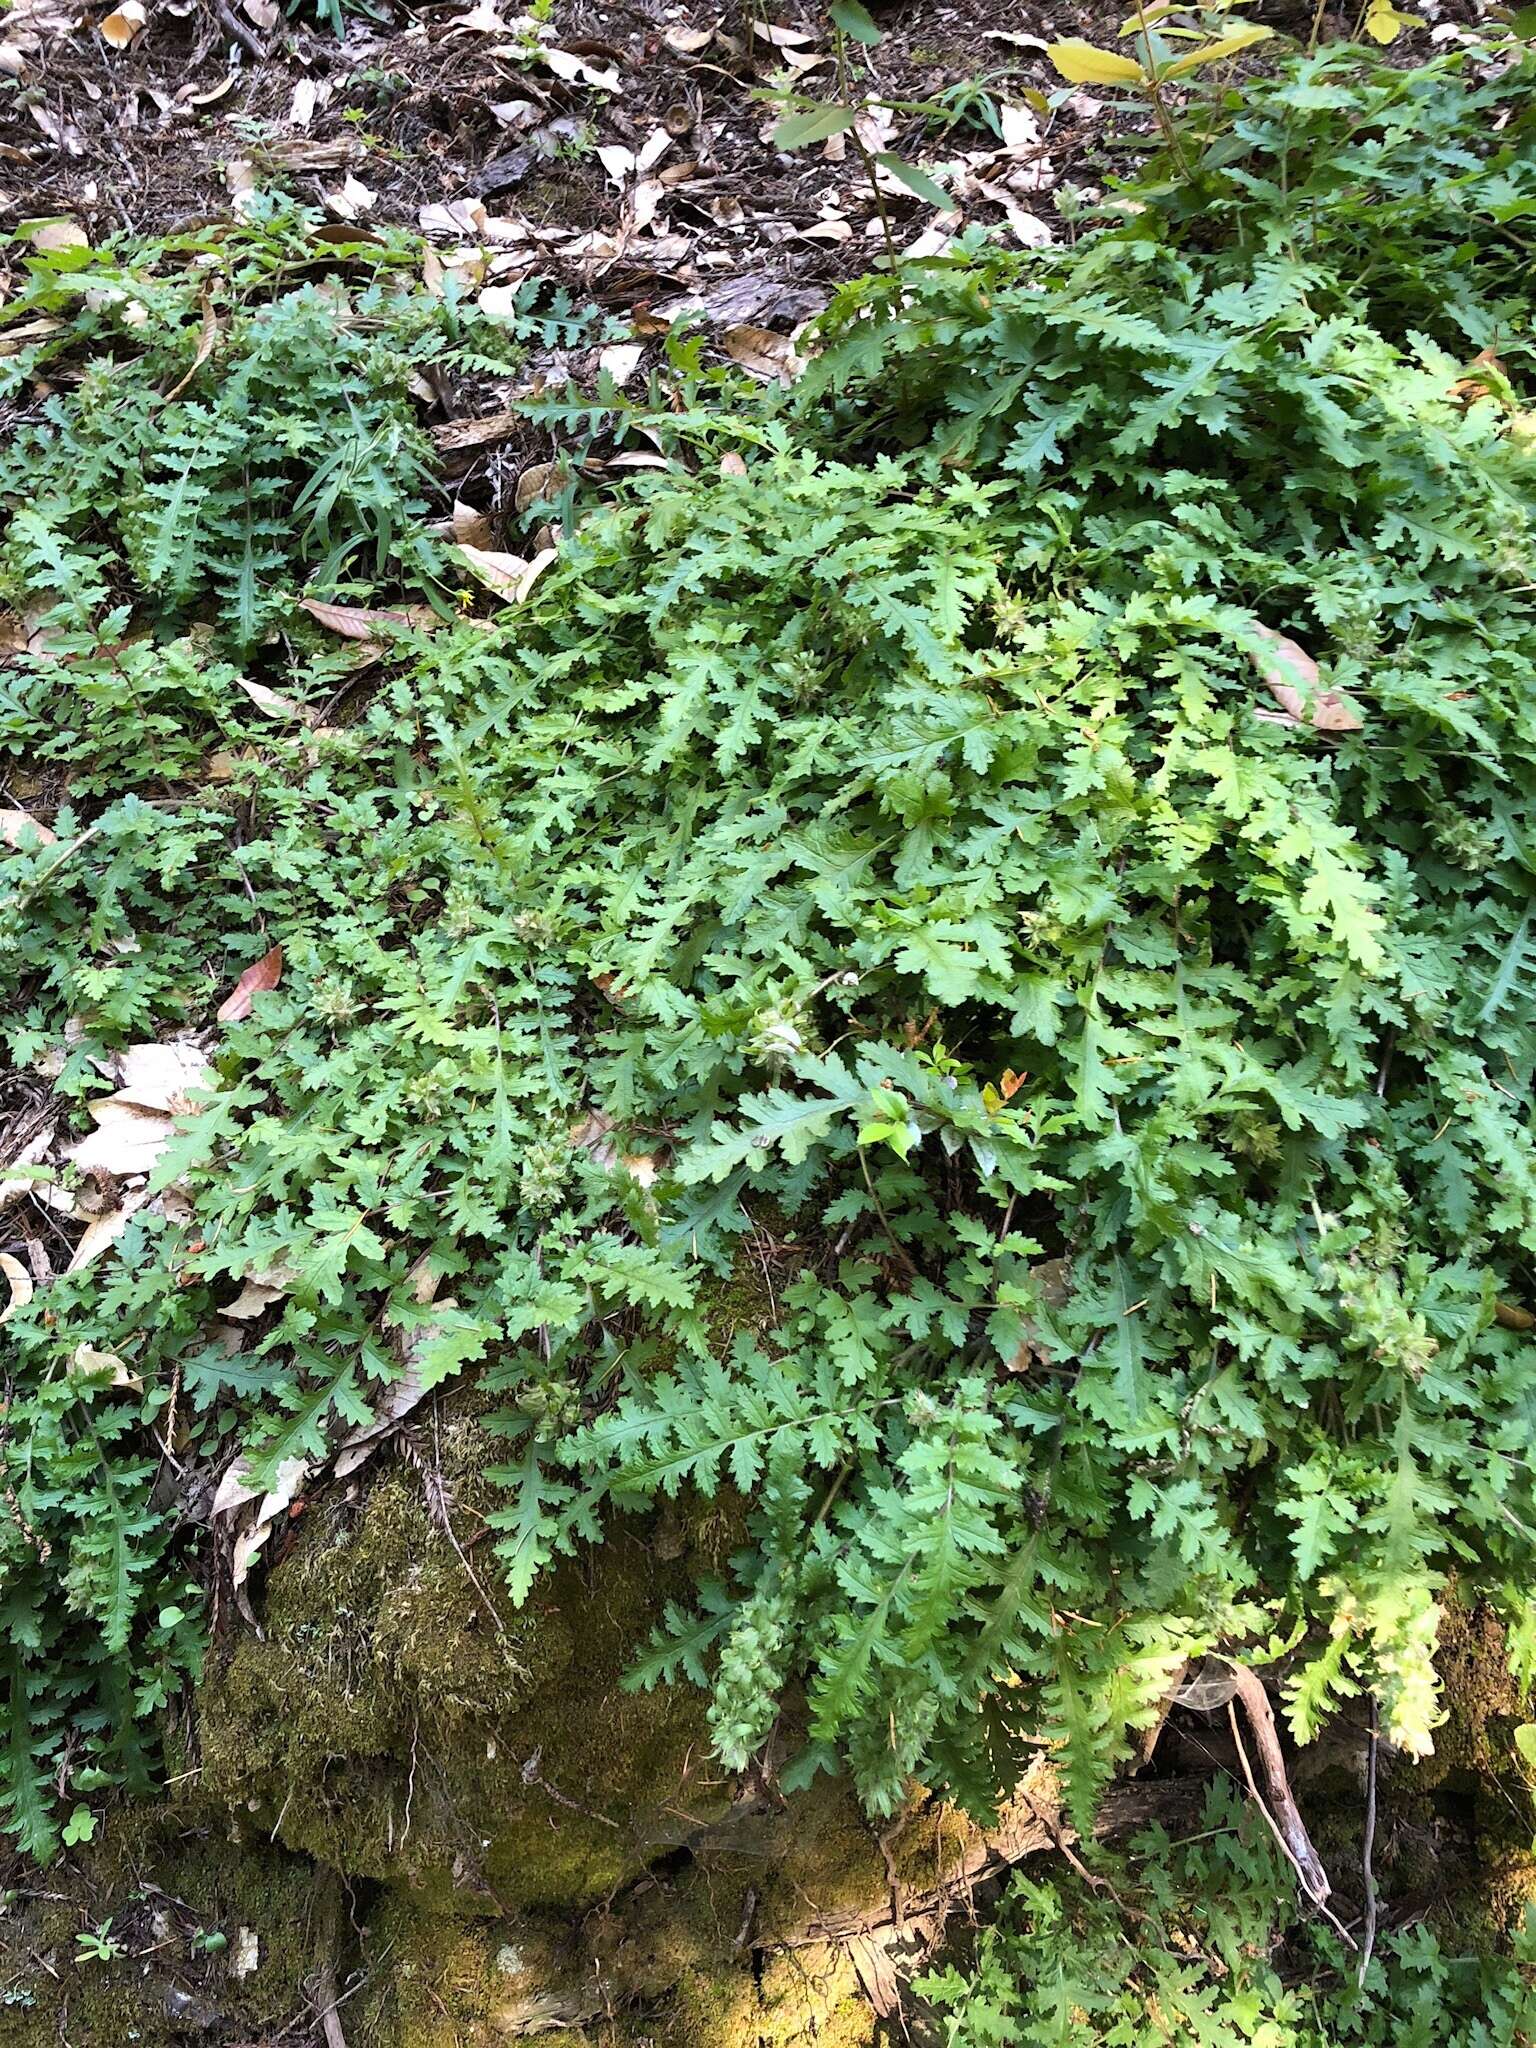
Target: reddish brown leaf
[(261, 975)]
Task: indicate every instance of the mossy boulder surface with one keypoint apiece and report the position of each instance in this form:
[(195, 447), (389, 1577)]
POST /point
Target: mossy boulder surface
[(399, 1720)]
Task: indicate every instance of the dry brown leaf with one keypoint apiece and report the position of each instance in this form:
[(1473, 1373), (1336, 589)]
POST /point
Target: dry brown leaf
[(573, 69), (540, 480), (470, 527), (509, 576), (685, 42), (766, 354), (207, 341), (104, 1231), (261, 975), (124, 25), (400, 1397), (254, 1299), (351, 200), (87, 1361), (163, 1076), (14, 1185), (276, 706), (134, 1126), (20, 828), (1291, 676), (781, 38), (50, 236), (620, 360), (358, 622), (19, 1282)]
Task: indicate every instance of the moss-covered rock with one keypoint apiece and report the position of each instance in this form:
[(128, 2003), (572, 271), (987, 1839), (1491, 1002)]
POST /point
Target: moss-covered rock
[(398, 1719)]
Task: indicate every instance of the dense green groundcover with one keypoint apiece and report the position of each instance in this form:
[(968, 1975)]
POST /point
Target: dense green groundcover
[(890, 862), (1202, 1958)]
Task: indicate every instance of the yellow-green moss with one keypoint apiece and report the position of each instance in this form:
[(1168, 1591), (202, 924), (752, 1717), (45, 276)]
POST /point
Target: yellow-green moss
[(400, 1720)]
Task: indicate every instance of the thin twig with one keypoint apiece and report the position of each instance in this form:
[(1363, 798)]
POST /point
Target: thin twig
[(1368, 1846), (248, 41)]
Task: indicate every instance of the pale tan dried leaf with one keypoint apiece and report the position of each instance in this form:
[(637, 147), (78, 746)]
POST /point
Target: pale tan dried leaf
[(399, 1398), (163, 1076), (359, 622), (207, 341), (686, 42), (351, 200), (104, 1231), (50, 236), (573, 69), (509, 576), (482, 19), (287, 1481), (469, 526), (765, 354), (212, 95), (620, 360), (301, 108), (782, 38), (20, 828), (19, 1284), (124, 25), (1292, 678), (252, 1300), (127, 1140), (276, 706), (540, 480), (14, 1185), (88, 1362)]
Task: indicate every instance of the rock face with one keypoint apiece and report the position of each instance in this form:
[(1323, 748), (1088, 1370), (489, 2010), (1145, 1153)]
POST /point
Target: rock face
[(456, 1812)]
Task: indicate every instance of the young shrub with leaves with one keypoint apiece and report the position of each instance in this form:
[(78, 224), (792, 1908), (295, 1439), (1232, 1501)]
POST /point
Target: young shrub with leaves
[(1047, 847)]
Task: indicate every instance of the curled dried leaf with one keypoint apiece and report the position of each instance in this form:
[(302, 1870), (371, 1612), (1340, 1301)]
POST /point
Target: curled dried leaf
[(261, 975)]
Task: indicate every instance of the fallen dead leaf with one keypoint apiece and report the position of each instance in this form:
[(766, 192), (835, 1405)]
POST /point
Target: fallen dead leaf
[(19, 1282), (766, 354), (686, 42), (1291, 676), (240, 183), (351, 200), (540, 480), (125, 24), (509, 576), (576, 70), (276, 706), (48, 237), (21, 829), (105, 1230), (258, 978), (469, 526), (207, 341), (36, 1149), (358, 622), (620, 360), (88, 1362)]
